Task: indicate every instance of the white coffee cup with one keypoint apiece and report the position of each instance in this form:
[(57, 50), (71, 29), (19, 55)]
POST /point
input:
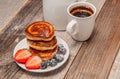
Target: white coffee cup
[(80, 28)]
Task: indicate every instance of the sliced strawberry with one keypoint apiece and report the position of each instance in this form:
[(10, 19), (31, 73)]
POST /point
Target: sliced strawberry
[(22, 55), (34, 62)]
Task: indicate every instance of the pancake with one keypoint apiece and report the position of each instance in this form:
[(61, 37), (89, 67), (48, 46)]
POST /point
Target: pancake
[(42, 31), (44, 55), (43, 45)]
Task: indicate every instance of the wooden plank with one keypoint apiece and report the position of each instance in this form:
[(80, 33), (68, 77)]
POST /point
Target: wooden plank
[(13, 33), (15, 28), (115, 71), (8, 9), (97, 55)]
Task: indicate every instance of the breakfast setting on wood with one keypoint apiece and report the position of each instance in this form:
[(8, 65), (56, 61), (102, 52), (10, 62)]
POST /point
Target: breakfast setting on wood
[(59, 39)]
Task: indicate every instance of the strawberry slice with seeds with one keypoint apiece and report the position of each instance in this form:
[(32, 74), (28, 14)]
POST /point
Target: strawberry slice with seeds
[(22, 55), (34, 62)]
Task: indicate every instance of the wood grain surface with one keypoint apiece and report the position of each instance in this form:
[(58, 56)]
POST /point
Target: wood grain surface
[(96, 56), (92, 59), (115, 71), (8, 9), (13, 33)]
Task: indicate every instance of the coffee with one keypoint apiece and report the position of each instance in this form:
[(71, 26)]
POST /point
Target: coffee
[(81, 11)]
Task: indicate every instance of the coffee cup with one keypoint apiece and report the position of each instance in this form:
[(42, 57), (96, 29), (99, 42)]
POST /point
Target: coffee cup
[(81, 20)]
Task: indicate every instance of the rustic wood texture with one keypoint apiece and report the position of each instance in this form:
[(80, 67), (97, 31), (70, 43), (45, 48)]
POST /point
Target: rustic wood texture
[(92, 59), (115, 71), (8, 9), (96, 56), (13, 33)]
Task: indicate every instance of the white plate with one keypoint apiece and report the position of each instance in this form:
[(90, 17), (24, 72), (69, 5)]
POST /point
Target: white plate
[(22, 44)]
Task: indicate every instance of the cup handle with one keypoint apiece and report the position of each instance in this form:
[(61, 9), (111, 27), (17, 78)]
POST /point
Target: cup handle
[(70, 26)]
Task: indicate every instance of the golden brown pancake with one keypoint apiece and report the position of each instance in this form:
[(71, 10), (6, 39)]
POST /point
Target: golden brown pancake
[(44, 55), (43, 45), (42, 31)]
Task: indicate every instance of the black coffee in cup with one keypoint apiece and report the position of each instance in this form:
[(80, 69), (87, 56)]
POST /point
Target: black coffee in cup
[(81, 11)]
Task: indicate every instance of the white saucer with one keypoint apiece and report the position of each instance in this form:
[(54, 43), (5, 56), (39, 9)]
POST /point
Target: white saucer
[(22, 44)]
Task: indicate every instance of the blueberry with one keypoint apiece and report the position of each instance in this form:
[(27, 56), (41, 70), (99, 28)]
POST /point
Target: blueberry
[(47, 62), (59, 58), (53, 62), (62, 50), (44, 65)]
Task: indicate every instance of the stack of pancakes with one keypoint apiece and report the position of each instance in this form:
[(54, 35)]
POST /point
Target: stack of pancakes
[(41, 39)]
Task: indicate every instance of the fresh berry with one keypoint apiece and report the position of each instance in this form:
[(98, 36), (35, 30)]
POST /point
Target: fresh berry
[(34, 62), (62, 50), (59, 57), (47, 62), (44, 65), (22, 55), (53, 62)]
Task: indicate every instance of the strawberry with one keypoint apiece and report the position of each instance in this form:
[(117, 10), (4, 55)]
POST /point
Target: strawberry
[(22, 55), (34, 62)]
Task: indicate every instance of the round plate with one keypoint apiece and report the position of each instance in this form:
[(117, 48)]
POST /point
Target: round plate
[(23, 44)]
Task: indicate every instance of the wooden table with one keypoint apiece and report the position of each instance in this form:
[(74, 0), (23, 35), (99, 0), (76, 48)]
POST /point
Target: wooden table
[(92, 59)]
